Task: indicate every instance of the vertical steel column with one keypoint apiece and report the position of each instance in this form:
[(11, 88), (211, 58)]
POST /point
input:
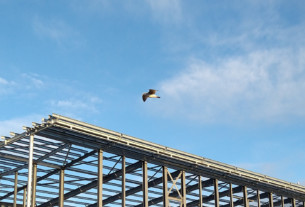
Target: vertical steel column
[(165, 190), (303, 203), (15, 189), (183, 189), (282, 201), (123, 182), (34, 179), (246, 203), (216, 193), (100, 178), (30, 170), (200, 190), (270, 200), (24, 197), (293, 202), (61, 187), (259, 199), (145, 184), (231, 196)]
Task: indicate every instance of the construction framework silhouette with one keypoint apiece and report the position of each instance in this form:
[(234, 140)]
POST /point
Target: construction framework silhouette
[(66, 162)]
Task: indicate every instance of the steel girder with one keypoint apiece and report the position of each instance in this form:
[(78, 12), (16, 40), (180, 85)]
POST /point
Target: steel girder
[(68, 158)]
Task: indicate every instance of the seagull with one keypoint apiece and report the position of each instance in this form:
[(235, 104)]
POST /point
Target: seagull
[(150, 94)]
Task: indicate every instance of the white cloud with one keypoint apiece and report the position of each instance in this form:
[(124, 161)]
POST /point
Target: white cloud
[(83, 103), (33, 80), (26, 82), (263, 85), (3, 81), (55, 30), (58, 31), (16, 124), (6, 86)]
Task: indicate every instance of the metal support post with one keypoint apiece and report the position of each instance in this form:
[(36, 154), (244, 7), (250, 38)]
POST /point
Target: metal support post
[(100, 178), (183, 189), (200, 190), (246, 203), (259, 199), (270, 200), (216, 193), (123, 182), (15, 188), (165, 192), (282, 201), (34, 179), (24, 197), (293, 202), (231, 196), (145, 184), (30, 170), (61, 187)]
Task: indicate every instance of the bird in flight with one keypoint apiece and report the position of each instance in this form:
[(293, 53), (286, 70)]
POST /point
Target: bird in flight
[(150, 94)]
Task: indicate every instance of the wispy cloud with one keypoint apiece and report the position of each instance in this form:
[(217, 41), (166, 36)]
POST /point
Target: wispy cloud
[(54, 29), (24, 82), (3, 81), (73, 106), (57, 30), (251, 70), (16, 124), (58, 96), (263, 85), (33, 80)]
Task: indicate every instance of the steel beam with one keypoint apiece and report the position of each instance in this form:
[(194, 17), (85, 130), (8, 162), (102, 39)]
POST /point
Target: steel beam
[(245, 194), (38, 161), (61, 187), (137, 189), (270, 200), (24, 197), (278, 203), (231, 195), (165, 190), (15, 188), (200, 190), (34, 182), (100, 178), (212, 197), (259, 199), (145, 184), (191, 188), (30, 170), (183, 189), (123, 182), (53, 172), (93, 184), (216, 193), (241, 201), (22, 159), (292, 202)]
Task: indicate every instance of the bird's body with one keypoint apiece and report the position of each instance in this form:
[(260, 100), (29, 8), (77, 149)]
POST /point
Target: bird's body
[(150, 94)]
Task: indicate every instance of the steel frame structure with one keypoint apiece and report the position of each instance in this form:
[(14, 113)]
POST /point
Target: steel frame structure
[(66, 162)]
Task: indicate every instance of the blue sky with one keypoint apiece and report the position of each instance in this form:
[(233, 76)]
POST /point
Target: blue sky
[(231, 74)]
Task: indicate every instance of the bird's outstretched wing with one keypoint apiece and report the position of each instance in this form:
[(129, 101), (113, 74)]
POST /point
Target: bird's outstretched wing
[(152, 91), (144, 96)]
